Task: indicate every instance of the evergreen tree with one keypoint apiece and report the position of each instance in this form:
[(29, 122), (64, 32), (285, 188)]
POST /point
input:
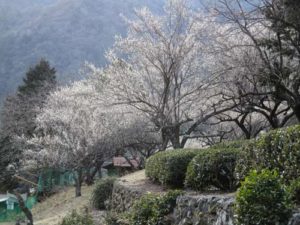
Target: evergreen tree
[(19, 113), (38, 80), (8, 162)]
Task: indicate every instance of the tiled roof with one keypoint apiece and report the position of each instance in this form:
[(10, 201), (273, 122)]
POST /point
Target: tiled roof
[(122, 162)]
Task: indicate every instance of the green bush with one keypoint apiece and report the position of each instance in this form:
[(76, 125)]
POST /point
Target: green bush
[(294, 190), (231, 144), (213, 167), (153, 209), (113, 218), (77, 219), (102, 192), (263, 200), (278, 149), (169, 167), (247, 161)]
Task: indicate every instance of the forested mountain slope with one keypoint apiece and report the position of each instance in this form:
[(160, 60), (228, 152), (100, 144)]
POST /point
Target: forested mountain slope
[(65, 32)]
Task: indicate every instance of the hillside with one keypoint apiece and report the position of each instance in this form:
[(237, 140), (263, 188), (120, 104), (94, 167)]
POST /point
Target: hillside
[(53, 209), (66, 32)]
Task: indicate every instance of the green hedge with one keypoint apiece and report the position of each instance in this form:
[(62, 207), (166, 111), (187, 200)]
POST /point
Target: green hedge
[(102, 192), (169, 167), (263, 200), (231, 144), (294, 190), (278, 149), (113, 218), (246, 161), (78, 219), (152, 209), (213, 167)]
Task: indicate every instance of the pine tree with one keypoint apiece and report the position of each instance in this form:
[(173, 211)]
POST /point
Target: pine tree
[(19, 113), (39, 79)]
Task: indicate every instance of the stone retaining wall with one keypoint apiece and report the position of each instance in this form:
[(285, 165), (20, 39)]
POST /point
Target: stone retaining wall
[(123, 197), (201, 209), (204, 210)]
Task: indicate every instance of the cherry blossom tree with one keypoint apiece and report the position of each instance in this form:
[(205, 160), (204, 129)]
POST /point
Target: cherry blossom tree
[(160, 68), (73, 132), (78, 129)]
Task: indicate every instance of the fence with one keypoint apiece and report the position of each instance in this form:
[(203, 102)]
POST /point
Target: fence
[(15, 213), (51, 178), (47, 181)]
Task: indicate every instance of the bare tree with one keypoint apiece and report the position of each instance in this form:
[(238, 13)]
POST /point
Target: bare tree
[(238, 64), (136, 137), (272, 30)]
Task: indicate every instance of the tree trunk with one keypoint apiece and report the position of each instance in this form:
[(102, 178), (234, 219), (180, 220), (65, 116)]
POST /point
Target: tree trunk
[(296, 110), (89, 179), (24, 209), (171, 133), (175, 136), (78, 182), (100, 172), (78, 189), (165, 140), (90, 175)]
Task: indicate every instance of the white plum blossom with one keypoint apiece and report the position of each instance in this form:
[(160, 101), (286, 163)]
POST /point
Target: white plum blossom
[(160, 67)]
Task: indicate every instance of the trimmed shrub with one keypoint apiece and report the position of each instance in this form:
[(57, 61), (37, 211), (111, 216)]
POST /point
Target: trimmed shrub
[(294, 190), (153, 209), (169, 167), (213, 167), (263, 200), (102, 192), (145, 210), (231, 144), (77, 219), (247, 161), (278, 149), (113, 218)]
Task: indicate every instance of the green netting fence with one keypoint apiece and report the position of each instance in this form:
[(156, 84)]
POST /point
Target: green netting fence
[(8, 215), (48, 180), (51, 178)]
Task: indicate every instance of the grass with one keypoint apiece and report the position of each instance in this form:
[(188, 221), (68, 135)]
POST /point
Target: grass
[(53, 209)]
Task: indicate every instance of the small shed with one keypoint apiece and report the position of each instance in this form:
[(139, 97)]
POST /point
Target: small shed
[(123, 163), (10, 201)]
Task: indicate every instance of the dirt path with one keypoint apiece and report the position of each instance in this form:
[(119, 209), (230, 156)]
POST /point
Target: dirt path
[(139, 181)]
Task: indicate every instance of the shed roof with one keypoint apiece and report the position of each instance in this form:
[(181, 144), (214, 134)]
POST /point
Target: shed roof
[(122, 162), (8, 196), (3, 198)]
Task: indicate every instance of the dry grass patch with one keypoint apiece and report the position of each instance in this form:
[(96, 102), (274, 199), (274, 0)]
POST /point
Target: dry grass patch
[(138, 180), (51, 211)]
